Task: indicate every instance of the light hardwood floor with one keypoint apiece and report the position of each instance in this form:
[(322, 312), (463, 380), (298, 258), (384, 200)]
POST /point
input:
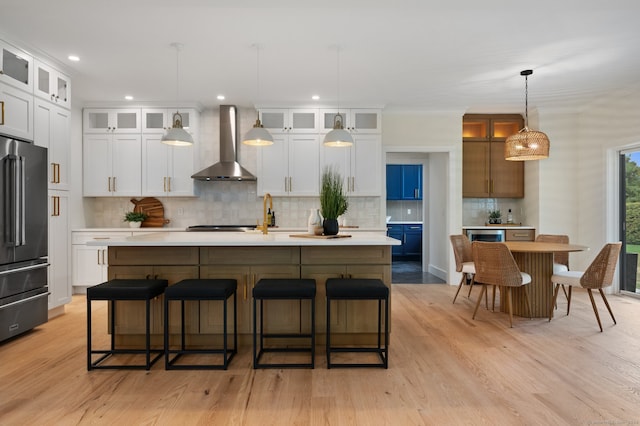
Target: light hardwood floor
[(444, 369)]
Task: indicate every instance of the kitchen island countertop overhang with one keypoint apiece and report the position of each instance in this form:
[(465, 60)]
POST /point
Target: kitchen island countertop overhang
[(239, 239)]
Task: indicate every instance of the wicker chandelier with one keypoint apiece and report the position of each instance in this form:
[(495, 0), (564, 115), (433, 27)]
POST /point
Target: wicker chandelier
[(527, 144)]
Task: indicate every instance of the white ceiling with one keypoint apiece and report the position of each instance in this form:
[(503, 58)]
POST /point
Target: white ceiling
[(403, 55)]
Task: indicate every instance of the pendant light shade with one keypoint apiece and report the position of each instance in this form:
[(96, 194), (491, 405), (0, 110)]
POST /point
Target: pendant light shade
[(176, 135), (527, 144), (258, 135), (338, 137)]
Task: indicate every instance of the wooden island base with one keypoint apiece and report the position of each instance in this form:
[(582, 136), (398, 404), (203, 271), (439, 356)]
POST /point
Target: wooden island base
[(352, 322)]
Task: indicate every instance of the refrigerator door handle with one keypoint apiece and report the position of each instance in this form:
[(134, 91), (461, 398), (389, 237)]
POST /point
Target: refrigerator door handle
[(13, 206), (22, 182), (25, 268)]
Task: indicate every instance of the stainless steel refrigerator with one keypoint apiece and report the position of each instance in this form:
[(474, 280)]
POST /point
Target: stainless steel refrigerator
[(23, 237)]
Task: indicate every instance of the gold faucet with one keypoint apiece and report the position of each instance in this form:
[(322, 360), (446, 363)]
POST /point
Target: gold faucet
[(265, 225)]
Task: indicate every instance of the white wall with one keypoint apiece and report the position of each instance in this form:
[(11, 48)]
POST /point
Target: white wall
[(439, 135), (605, 128)]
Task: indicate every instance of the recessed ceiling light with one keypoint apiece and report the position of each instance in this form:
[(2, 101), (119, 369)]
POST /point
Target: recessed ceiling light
[(74, 58), (220, 97), (129, 97), (315, 97)]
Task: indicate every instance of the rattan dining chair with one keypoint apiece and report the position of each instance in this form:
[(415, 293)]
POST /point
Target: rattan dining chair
[(598, 275), (496, 266), (560, 260), (464, 261)]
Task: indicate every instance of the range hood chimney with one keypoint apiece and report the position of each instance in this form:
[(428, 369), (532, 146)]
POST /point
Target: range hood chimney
[(228, 167)]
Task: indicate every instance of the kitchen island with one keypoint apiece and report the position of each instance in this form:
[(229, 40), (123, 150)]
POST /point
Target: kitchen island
[(247, 257)]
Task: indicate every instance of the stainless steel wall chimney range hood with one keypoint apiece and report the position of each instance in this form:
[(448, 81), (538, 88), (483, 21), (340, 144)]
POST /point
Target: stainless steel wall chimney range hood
[(228, 167)]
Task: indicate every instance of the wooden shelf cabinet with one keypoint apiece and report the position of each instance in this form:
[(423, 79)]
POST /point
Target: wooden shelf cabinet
[(485, 172)]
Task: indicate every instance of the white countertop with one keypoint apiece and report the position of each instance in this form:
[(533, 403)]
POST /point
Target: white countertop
[(174, 238), (276, 229)]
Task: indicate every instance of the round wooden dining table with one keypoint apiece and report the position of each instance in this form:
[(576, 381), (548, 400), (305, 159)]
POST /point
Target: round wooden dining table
[(536, 259)]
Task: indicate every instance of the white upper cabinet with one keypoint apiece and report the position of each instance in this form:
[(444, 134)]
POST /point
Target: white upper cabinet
[(300, 121), (166, 170), (158, 120), (16, 112), (51, 131), (106, 120), (356, 120), (359, 165), (289, 167), (52, 85), (112, 165), (16, 67)]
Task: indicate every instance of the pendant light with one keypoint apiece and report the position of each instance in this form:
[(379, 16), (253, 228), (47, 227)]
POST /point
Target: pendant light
[(176, 135), (527, 144), (338, 137), (258, 135)]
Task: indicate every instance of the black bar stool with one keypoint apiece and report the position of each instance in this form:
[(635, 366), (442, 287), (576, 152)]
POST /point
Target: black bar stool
[(283, 289), (123, 289), (200, 289), (359, 289)]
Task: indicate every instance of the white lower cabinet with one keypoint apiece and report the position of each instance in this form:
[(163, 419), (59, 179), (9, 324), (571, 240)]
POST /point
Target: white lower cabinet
[(59, 264), (90, 263)]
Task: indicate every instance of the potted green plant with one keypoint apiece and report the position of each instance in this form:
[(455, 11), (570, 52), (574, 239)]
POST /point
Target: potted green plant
[(135, 219), (333, 201), (494, 216)]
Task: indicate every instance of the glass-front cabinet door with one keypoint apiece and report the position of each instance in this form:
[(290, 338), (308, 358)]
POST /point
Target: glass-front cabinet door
[(158, 120), (111, 120), (16, 67), (52, 85), (302, 120)]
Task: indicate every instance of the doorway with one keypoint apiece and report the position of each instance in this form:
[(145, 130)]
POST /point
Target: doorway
[(629, 197)]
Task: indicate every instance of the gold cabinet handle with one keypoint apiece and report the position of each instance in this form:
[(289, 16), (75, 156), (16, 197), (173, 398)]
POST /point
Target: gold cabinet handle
[(53, 173), (109, 183), (114, 184), (1, 110), (164, 184), (169, 181)]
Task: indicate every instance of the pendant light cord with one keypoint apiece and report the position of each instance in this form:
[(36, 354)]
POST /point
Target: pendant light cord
[(526, 101), (338, 75)]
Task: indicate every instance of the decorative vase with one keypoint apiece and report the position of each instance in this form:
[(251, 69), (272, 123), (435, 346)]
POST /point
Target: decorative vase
[(314, 223), (330, 226), (135, 224)]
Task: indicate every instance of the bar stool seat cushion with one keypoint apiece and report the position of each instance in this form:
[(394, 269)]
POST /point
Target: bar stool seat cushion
[(361, 288), (123, 289), (204, 289), (283, 288)]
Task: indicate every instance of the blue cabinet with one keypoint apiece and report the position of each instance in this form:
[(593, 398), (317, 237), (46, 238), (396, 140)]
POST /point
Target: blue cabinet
[(397, 232), (404, 182), (412, 240), (411, 237)]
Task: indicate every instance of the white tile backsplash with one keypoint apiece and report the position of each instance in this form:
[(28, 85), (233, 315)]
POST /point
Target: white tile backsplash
[(475, 211)]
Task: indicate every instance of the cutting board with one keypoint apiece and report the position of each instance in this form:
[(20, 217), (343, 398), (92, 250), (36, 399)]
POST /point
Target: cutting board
[(320, 237), (154, 210)]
